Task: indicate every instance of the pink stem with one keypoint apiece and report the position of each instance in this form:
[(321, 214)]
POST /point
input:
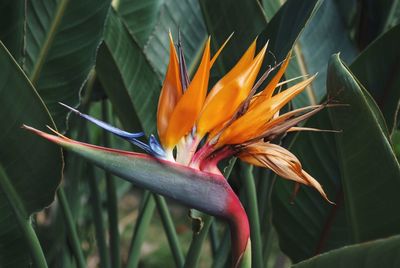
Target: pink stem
[(201, 154), (240, 229), (209, 164)]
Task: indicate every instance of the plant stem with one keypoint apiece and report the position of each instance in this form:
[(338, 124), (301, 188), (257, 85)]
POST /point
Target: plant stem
[(98, 219), (112, 208), (170, 230), (264, 195), (193, 255), (221, 256), (23, 220), (142, 223), (72, 233), (252, 210), (214, 238)]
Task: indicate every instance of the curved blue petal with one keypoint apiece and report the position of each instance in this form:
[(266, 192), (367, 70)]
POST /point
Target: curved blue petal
[(131, 137), (156, 147), (104, 125)]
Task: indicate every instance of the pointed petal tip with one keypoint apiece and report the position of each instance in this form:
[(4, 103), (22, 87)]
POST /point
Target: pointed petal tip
[(23, 126), (69, 108), (171, 39), (214, 58)]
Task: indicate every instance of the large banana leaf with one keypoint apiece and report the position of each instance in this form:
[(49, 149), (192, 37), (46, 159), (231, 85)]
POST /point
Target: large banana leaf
[(177, 15), (340, 160), (127, 75), (140, 16), (326, 34), (371, 18), (379, 253), (159, 17), (364, 141), (27, 184), (61, 41), (378, 69)]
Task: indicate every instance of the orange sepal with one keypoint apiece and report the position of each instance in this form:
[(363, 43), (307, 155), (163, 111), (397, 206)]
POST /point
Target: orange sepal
[(221, 106), (270, 88), (189, 106), (244, 61), (214, 58), (171, 92), (251, 124)]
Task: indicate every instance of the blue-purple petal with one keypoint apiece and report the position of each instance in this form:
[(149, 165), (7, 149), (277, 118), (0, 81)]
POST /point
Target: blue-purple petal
[(156, 147), (131, 137)]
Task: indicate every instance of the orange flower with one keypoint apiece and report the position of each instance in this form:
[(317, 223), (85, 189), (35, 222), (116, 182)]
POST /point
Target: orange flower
[(235, 119)]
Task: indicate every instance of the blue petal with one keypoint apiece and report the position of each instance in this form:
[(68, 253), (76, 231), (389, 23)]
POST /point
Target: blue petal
[(104, 125), (131, 137), (156, 147)]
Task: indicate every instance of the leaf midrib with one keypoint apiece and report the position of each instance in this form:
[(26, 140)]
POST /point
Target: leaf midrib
[(37, 68)]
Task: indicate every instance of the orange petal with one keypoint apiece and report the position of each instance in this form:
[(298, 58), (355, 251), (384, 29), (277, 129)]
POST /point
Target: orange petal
[(251, 123), (222, 105), (282, 162), (189, 106), (244, 61), (269, 89), (171, 92), (214, 58)]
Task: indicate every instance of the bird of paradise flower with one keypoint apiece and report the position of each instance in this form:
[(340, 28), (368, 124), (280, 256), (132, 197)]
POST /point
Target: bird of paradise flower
[(236, 118)]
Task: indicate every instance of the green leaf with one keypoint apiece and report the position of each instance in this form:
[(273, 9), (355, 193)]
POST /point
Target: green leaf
[(378, 69), (356, 167), (149, 23), (379, 253), (363, 141), (271, 7), (140, 17), (127, 77), (324, 35), (61, 41), (373, 19), (25, 161), (12, 15), (283, 35), (177, 15), (243, 18)]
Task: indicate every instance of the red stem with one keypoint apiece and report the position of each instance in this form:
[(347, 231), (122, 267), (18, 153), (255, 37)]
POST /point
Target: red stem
[(240, 229)]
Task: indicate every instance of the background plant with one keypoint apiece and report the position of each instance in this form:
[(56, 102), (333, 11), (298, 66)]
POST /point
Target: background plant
[(110, 59)]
